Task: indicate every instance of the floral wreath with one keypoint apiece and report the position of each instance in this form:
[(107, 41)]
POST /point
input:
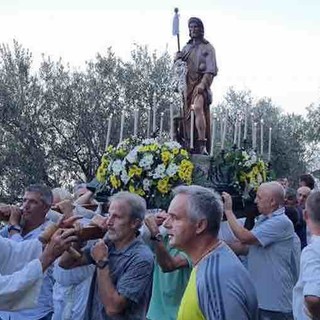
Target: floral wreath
[(145, 167)]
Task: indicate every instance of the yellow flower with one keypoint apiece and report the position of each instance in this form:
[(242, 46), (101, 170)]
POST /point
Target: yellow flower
[(184, 153), (185, 170), (138, 191), (175, 151), (101, 174), (153, 147), (135, 171), (163, 185), (165, 157), (115, 182)]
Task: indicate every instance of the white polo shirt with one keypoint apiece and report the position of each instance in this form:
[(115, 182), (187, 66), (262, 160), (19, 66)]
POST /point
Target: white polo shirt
[(309, 278)]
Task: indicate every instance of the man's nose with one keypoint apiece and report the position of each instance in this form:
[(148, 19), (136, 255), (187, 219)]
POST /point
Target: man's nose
[(167, 223)]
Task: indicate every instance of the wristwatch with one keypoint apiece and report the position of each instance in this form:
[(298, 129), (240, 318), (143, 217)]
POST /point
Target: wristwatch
[(101, 264), (14, 227), (158, 237)]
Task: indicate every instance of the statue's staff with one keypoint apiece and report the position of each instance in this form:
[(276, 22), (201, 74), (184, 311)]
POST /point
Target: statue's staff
[(175, 26)]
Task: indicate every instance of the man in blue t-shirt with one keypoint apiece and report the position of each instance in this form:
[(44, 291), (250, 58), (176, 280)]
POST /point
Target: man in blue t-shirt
[(274, 251)]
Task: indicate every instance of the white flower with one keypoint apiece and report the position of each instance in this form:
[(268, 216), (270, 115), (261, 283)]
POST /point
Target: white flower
[(245, 155), (124, 177), (149, 141), (172, 169), (146, 161), (146, 184), (132, 155), (117, 166), (172, 145), (159, 172), (259, 178)]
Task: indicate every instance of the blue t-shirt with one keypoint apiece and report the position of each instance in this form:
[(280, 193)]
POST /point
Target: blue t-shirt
[(274, 263), (131, 272), (219, 288)]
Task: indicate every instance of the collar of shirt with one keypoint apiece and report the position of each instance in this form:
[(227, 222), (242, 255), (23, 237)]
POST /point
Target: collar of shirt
[(315, 238), (126, 250), (278, 212), (35, 232)]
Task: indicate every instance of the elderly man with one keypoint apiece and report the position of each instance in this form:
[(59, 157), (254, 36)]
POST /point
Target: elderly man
[(273, 258), (306, 293), (301, 229), (123, 282), (22, 267), (37, 201), (219, 285)]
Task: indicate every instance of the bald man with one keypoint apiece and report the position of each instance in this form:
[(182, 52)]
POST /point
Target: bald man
[(274, 251)]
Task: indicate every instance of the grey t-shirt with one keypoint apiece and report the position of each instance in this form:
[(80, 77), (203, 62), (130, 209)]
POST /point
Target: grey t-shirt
[(131, 272), (274, 263), (224, 287)]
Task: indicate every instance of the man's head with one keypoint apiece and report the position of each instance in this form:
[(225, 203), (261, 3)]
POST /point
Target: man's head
[(270, 197), (126, 214), (302, 195), (312, 211), (196, 29), (290, 197), (284, 182), (194, 211), (306, 180), (60, 194), (79, 190), (37, 201)]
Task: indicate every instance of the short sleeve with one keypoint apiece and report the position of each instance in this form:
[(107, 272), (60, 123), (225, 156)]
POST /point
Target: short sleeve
[(136, 280), (311, 273), (272, 230)]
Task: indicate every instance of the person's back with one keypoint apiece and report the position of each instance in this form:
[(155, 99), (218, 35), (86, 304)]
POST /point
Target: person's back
[(223, 288), (273, 263)]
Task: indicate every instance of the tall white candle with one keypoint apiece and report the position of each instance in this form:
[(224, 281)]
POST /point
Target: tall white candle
[(221, 127), (269, 144), (239, 134), (235, 132), (148, 124), (261, 136), (252, 129), (192, 128), (213, 134), (254, 136), (121, 127), (154, 120), (108, 132), (135, 126), (171, 122), (224, 131), (245, 123), (161, 123)]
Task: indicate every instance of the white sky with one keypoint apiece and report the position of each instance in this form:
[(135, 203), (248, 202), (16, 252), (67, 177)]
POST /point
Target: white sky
[(271, 47)]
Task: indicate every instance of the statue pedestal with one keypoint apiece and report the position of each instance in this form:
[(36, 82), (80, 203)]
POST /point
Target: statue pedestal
[(202, 170)]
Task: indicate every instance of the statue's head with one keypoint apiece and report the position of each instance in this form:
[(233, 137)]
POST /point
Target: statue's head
[(196, 29)]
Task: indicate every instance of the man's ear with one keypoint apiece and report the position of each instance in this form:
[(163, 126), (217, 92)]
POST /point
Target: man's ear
[(305, 215), (136, 223), (201, 225)]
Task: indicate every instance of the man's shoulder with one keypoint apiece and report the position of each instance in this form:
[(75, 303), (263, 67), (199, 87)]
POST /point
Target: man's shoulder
[(140, 250)]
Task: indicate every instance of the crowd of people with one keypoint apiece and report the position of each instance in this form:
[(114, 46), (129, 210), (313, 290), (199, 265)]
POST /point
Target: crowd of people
[(196, 261)]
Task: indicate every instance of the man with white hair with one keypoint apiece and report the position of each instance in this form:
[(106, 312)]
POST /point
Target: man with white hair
[(306, 293), (274, 250), (219, 286)]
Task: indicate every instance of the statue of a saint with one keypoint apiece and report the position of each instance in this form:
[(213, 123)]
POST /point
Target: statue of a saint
[(199, 56)]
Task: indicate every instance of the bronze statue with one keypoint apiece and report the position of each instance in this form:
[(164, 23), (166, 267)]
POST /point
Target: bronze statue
[(199, 56)]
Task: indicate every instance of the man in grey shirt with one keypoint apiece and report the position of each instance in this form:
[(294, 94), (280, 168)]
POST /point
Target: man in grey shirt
[(274, 252), (122, 284)]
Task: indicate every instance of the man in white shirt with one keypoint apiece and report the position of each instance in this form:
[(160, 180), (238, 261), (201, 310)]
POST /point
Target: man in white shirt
[(22, 266), (306, 293)]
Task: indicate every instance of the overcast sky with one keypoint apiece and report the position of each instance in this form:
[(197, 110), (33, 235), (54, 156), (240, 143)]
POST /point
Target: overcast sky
[(271, 47)]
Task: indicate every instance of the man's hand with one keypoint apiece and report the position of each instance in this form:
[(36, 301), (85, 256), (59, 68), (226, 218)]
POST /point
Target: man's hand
[(60, 242), (66, 223), (199, 89), (15, 216), (161, 217), (100, 251), (66, 207), (227, 201), (151, 223), (100, 221), (178, 56)]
